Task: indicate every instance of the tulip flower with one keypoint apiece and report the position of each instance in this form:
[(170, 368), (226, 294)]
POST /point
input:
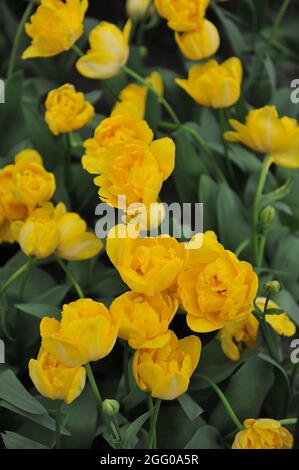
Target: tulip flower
[(263, 434)]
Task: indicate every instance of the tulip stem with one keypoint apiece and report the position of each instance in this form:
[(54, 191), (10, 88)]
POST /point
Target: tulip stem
[(225, 402), (16, 43), (58, 424), (114, 435), (77, 50), (16, 275), (151, 88), (256, 208), (150, 405), (201, 141), (71, 278), (153, 425), (288, 421)]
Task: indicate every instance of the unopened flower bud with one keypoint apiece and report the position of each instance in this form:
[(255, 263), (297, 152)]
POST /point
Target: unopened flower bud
[(110, 407), (267, 216), (272, 287)]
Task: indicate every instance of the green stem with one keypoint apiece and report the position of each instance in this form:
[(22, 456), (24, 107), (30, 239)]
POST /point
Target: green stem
[(16, 275), (256, 205), (242, 247), (22, 289), (265, 329), (261, 251), (151, 88), (58, 424), (225, 401), (126, 367), (77, 50), (140, 34), (150, 406), (71, 278), (153, 425), (15, 47), (288, 421), (99, 400)]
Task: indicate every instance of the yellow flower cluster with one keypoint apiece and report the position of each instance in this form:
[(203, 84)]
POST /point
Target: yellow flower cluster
[(87, 332), (244, 331), (263, 434), (127, 159), (28, 217), (196, 36), (23, 186)]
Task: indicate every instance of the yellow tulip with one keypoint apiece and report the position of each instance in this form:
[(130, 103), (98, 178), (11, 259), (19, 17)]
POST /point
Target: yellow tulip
[(244, 330), (124, 124), (6, 235), (74, 242), (201, 43), (10, 206), (263, 434), (109, 51), (166, 372), (147, 265), (51, 229), (145, 320), (214, 85), (131, 168), (87, 332), (32, 184), (137, 94), (67, 110), (55, 380), (215, 287), (137, 8), (55, 27), (182, 15), (265, 132), (38, 234)]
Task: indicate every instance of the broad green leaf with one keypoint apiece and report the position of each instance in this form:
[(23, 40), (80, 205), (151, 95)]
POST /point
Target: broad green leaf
[(53, 296), (206, 437), (190, 407), (246, 392), (207, 190), (230, 208), (39, 310), (13, 440), (133, 429), (153, 111), (286, 301), (12, 391), (236, 37)]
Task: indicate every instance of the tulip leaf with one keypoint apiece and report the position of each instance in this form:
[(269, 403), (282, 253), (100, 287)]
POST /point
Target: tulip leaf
[(230, 207), (286, 301), (131, 431), (12, 391), (152, 111), (234, 34), (278, 194), (13, 440), (39, 310), (246, 392), (206, 437), (207, 190), (53, 296), (190, 407)]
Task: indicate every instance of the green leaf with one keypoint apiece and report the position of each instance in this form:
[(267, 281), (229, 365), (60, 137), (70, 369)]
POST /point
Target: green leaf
[(53, 296), (133, 429), (50, 147), (230, 208), (236, 37), (12, 391), (278, 194), (81, 420), (207, 195), (190, 407), (94, 96), (286, 301), (285, 376), (246, 392), (13, 440), (153, 111), (39, 310), (206, 437)]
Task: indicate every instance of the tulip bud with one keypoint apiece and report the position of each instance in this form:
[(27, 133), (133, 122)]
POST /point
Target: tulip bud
[(272, 287), (137, 8), (110, 407), (267, 216)]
